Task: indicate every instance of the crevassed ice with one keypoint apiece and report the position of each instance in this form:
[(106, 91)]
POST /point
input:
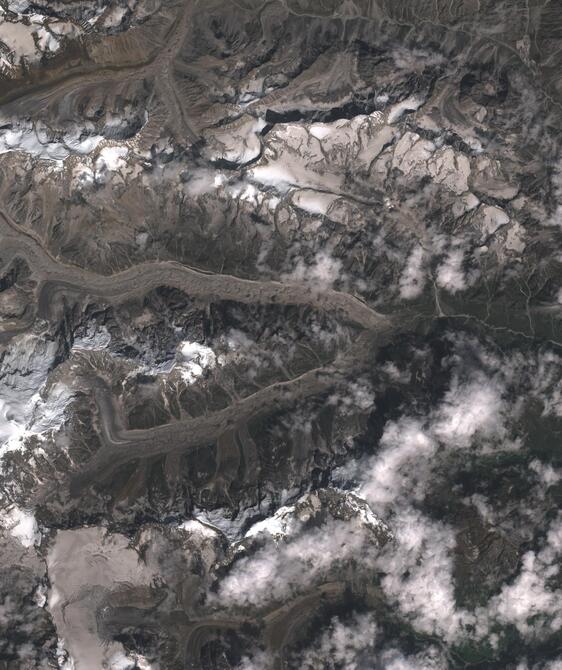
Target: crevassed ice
[(93, 339), (18, 5)]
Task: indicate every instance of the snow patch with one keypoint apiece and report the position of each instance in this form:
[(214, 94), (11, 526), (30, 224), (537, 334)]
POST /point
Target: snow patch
[(23, 526), (38, 141), (320, 131), (314, 202), (411, 104), (25, 368), (193, 526)]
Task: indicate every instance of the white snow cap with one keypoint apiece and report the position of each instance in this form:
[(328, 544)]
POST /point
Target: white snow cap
[(22, 525), (195, 358), (111, 158)]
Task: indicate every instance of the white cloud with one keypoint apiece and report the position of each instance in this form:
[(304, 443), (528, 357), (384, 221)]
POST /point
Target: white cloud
[(341, 645), (413, 278), (450, 274), (291, 559), (260, 660), (418, 565), (429, 659), (548, 475), (418, 573), (552, 665), (64, 660), (322, 273), (544, 381), (401, 467), (358, 395), (528, 602), (274, 572), (470, 409), (556, 180)]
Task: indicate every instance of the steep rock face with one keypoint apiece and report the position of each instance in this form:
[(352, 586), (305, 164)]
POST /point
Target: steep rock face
[(280, 331)]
